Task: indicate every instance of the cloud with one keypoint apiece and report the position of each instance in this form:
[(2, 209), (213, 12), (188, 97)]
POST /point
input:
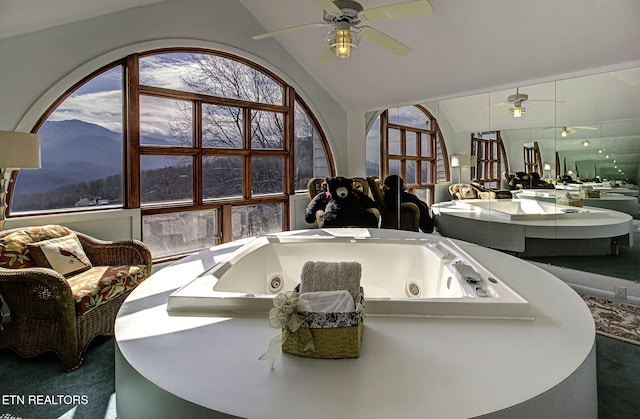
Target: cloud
[(100, 108)]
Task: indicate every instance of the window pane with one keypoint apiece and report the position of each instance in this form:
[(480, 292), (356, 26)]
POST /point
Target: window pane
[(166, 179), (309, 153), (372, 152), (267, 175), (221, 177), (423, 194), (394, 142), (267, 129), (412, 143), (165, 122), (425, 146), (425, 173), (210, 75), (221, 126), (255, 220), (81, 151), (409, 116), (180, 232), (411, 175), (394, 167)]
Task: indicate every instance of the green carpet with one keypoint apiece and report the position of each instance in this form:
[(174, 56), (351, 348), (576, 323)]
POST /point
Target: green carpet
[(626, 265), (47, 392), (618, 371)]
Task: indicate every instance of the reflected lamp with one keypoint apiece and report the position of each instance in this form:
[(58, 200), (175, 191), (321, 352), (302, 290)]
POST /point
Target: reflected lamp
[(460, 161), (18, 150)]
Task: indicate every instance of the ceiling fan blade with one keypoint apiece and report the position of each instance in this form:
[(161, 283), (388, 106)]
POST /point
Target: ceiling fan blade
[(385, 41), (287, 30), (581, 127), (330, 7), (393, 11)]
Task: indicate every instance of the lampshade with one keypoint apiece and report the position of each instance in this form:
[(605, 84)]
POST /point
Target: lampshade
[(547, 166), (458, 160), (342, 40), (19, 150)]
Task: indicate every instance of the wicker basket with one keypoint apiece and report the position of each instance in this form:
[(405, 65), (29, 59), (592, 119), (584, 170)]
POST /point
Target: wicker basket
[(340, 340)]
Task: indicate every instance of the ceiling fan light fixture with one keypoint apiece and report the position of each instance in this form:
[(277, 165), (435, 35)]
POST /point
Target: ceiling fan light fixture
[(586, 143), (342, 40), (517, 110), (563, 133)]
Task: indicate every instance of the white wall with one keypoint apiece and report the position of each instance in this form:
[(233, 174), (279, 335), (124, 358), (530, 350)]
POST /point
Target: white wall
[(37, 68)]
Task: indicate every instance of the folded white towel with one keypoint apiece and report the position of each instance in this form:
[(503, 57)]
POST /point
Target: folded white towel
[(331, 276), (339, 301)]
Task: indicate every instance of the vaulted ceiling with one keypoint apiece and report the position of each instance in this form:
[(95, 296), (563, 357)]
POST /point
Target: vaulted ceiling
[(464, 46)]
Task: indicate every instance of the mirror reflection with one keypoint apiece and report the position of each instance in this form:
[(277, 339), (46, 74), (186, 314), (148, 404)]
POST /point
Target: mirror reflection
[(579, 134)]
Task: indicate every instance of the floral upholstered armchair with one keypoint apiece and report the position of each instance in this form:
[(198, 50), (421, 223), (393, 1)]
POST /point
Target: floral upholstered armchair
[(63, 288)]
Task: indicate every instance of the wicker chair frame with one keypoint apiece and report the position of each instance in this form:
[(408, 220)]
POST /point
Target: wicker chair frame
[(43, 315)]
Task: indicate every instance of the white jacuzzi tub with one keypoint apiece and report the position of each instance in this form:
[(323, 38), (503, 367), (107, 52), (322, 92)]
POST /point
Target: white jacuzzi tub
[(527, 209), (400, 276)]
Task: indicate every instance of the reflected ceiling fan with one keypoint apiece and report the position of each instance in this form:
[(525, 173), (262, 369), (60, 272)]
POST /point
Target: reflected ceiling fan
[(515, 103), (572, 129), (564, 131), (346, 16)]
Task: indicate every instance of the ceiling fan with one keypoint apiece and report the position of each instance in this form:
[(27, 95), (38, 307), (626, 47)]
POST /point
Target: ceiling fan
[(517, 101), (564, 131), (346, 17)]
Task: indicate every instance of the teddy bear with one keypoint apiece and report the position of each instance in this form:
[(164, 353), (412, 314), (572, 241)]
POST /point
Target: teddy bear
[(342, 206)]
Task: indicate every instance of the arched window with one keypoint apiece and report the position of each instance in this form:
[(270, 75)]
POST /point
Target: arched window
[(411, 145), (209, 145), (491, 159)]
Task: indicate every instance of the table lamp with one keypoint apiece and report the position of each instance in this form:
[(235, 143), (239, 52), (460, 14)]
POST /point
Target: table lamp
[(18, 150)]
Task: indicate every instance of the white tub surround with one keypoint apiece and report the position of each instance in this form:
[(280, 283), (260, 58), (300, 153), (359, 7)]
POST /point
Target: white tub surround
[(533, 228), (409, 366), (612, 201)]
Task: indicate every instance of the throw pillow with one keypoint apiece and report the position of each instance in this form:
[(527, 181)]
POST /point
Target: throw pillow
[(63, 254)]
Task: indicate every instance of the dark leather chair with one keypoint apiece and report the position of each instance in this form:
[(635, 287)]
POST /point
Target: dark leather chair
[(409, 212)]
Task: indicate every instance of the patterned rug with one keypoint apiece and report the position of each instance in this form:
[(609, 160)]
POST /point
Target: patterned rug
[(616, 320)]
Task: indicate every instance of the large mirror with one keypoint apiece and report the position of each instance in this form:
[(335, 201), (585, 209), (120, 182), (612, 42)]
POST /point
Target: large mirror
[(586, 127)]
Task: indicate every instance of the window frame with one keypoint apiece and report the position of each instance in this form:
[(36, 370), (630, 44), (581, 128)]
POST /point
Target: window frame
[(532, 158), (435, 142), (133, 150), (490, 155)]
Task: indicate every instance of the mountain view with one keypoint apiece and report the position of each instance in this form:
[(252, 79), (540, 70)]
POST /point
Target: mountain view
[(79, 160), (82, 165)]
